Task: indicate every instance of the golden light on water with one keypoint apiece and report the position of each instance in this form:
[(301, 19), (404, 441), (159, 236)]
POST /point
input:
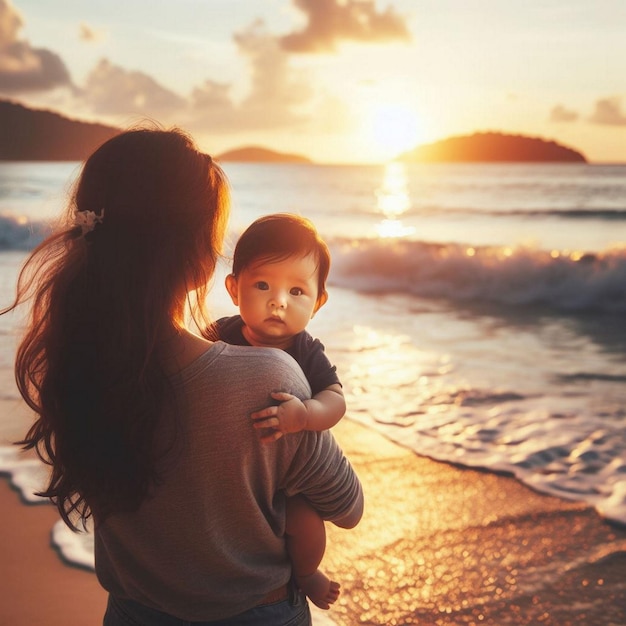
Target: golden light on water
[(393, 201), (393, 197), (574, 255), (388, 377), (389, 229)]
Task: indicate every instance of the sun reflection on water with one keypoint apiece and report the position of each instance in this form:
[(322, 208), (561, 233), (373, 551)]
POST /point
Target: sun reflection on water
[(388, 379), (393, 201)]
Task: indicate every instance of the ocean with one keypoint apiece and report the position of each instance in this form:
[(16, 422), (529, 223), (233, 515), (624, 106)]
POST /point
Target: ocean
[(476, 311)]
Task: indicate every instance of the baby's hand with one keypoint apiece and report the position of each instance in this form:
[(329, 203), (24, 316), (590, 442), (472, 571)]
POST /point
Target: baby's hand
[(290, 416)]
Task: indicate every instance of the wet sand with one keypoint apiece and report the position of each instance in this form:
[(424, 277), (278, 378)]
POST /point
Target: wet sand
[(437, 545), (448, 546), (37, 587)]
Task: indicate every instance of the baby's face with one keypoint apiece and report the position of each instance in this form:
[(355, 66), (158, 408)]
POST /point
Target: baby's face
[(276, 299)]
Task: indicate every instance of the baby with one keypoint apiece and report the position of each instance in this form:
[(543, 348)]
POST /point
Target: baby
[(280, 266)]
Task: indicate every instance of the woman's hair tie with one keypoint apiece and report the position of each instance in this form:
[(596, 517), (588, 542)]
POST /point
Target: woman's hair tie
[(87, 220)]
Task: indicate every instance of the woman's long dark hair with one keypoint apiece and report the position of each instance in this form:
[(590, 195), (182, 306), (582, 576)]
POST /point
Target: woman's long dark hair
[(89, 363)]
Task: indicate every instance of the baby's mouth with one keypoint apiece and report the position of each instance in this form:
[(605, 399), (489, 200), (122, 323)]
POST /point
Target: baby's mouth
[(275, 319)]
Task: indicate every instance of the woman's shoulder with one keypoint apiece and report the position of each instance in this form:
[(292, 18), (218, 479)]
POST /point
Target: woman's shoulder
[(269, 366), (269, 362), (258, 356)]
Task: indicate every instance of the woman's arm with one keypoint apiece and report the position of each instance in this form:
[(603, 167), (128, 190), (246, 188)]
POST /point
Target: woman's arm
[(351, 519), (320, 472)]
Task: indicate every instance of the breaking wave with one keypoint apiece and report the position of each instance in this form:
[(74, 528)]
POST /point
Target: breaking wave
[(560, 280)]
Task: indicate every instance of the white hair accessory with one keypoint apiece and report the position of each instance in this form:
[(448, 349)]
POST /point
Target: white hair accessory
[(87, 220)]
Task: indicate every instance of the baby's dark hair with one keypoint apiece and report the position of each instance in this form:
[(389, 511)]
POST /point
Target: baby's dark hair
[(279, 236)]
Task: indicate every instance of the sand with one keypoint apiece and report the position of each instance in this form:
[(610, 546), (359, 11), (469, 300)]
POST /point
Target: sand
[(37, 588), (438, 545)]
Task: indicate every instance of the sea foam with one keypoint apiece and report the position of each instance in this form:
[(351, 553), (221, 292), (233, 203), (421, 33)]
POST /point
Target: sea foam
[(563, 280)]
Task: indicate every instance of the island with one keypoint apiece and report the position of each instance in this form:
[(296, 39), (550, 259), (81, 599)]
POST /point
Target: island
[(39, 135), (493, 147), (258, 154)]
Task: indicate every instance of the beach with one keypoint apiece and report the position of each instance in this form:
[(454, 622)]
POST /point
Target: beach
[(475, 317), (438, 544)]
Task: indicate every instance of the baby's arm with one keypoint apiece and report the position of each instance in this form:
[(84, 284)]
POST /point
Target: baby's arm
[(292, 415)]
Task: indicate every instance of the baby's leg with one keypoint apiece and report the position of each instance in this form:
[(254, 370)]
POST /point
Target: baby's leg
[(306, 542)]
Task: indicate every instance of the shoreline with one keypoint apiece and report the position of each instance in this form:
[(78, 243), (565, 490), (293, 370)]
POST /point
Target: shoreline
[(438, 544), (448, 545)]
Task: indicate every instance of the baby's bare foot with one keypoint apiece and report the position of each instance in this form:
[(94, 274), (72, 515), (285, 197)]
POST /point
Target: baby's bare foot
[(319, 589)]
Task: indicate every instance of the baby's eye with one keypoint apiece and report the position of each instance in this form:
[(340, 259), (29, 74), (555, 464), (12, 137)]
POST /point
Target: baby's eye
[(262, 285), (296, 291)]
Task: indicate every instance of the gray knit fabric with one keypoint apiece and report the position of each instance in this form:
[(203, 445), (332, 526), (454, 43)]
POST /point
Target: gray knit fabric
[(209, 543)]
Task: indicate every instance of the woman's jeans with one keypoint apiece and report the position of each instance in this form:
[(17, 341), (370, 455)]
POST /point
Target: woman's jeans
[(291, 612)]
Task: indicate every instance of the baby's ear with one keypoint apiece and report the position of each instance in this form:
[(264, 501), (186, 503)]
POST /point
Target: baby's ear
[(321, 301), (231, 287)]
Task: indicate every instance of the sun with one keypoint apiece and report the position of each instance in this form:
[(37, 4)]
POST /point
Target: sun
[(394, 128)]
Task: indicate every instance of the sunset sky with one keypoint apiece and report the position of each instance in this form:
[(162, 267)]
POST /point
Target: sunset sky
[(338, 81)]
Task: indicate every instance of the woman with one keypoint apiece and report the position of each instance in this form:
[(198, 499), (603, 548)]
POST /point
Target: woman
[(146, 425)]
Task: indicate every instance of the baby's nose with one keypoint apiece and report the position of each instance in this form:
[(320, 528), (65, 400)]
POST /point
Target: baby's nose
[(278, 300)]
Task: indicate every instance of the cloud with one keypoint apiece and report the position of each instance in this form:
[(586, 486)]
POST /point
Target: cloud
[(278, 95), (113, 90), (560, 114), (22, 67), (332, 21), (274, 94), (213, 108), (275, 88), (608, 112), (88, 34), (213, 95)]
